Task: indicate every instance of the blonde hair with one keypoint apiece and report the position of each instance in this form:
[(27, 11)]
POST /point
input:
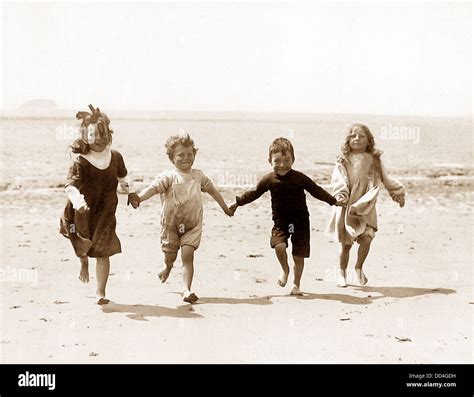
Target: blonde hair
[(371, 149), (182, 139)]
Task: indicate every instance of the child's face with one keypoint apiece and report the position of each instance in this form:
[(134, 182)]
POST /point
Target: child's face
[(358, 140), (183, 157), (97, 140), (281, 163)]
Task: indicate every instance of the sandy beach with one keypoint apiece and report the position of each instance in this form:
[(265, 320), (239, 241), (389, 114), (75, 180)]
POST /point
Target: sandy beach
[(417, 307), (235, 76)]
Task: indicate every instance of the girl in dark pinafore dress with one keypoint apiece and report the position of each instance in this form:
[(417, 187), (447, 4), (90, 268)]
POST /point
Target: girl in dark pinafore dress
[(89, 217)]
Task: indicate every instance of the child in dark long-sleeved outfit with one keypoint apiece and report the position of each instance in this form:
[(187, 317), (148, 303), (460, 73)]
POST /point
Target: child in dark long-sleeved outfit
[(289, 210)]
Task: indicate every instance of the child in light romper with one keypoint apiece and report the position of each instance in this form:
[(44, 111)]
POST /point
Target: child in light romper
[(182, 211)]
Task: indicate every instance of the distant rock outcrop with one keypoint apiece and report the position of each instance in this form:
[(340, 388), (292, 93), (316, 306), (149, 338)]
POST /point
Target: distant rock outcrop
[(36, 108)]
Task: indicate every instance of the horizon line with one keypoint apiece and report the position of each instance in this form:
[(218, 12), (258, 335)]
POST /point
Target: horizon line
[(155, 114)]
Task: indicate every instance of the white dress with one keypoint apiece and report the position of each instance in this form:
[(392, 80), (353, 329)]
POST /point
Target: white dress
[(358, 182)]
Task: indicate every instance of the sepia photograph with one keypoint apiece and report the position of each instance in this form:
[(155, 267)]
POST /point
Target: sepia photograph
[(236, 183)]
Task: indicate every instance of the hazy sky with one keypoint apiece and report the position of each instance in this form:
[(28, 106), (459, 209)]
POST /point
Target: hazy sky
[(397, 58)]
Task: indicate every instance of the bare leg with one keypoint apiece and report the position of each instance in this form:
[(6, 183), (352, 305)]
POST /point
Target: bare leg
[(102, 273), (187, 257), (170, 258), (362, 253), (84, 272), (343, 262), (298, 272), (280, 250)]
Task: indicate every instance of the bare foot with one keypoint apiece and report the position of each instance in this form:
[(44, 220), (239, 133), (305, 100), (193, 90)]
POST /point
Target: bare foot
[(361, 276), (341, 282), (295, 290), (283, 279), (102, 301), (189, 297), (84, 273), (164, 273)]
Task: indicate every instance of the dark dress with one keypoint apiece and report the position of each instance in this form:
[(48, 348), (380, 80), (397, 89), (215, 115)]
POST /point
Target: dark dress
[(93, 232)]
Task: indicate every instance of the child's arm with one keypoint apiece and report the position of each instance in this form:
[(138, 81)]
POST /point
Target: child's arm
[(318, 192), (147, 193), (160, 185), (73, 183), (208, 187), (125, 182), (339, 183), (76, 198), (251, 195), (127, 187), (394, 187), (215, 194)]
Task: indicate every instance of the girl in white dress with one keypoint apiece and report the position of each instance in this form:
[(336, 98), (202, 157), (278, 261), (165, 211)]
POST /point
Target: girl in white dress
[(357, 177)]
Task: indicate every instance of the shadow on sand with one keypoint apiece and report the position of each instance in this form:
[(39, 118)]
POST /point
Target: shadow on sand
[(264, 300), (386, 292), (140, 312)]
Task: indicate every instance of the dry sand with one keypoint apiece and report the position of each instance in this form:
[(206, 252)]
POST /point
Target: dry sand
[(417, 307)]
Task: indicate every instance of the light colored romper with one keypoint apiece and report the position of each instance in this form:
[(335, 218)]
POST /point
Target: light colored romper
[(181, 211)]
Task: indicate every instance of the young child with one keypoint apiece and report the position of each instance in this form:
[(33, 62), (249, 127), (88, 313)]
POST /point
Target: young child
[(182, 211), (91, 188), (357, 177), (289, 211)]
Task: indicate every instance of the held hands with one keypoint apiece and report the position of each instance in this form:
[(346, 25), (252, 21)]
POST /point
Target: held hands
[(228, 211), (341, 200), (233, 208), (133, 199)]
